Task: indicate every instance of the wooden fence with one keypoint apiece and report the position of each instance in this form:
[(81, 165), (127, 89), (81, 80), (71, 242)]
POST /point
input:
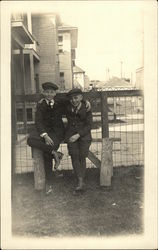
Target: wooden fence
[(99, 102)]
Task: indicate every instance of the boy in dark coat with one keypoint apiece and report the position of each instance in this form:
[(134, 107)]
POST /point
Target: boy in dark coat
[(78, 134), (49, 130)]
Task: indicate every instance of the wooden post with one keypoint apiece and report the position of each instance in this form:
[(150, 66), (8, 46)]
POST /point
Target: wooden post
[(37, 83), (106, 156), (106, 163), (33, 88), (23, 87), (39, 172)]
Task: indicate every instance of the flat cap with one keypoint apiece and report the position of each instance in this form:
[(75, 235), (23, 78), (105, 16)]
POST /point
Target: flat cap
[(74, 91), (49, 85)]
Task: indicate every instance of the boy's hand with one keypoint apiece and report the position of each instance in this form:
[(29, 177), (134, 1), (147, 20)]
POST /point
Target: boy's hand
[(48, 140), (74, 138), (88, 106)]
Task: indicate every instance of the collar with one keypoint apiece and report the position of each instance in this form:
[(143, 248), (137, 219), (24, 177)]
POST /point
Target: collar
[(49, 102), (76, 109)]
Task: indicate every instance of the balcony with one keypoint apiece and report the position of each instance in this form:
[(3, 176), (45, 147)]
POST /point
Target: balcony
[(20, 34), (21, 37), (34, 49)]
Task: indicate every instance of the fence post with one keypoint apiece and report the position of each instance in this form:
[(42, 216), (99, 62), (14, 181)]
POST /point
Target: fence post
[(39, 173), (106, 155)]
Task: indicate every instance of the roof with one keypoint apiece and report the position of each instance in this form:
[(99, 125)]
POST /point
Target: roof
[(73, 31), (66, 27), (77, 69), (117, 82)]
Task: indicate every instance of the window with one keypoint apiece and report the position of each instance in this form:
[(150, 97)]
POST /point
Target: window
[(19, 113), (60, 38), (29, 114), (60, 49), (61, 74)]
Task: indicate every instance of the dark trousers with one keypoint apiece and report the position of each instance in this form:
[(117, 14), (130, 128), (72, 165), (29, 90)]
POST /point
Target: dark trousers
[(47, 153), (79, 151), (79, 166)]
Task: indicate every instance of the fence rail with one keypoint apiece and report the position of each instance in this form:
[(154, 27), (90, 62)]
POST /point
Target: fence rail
[(124, 125)]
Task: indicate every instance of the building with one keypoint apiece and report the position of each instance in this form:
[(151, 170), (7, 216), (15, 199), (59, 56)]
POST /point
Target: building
[(79, 77), (35, 56), (140, 78), (67, 43), (45, 29), (118, 83), (24, 60), (25, 54), (86, 82), (43, 49)]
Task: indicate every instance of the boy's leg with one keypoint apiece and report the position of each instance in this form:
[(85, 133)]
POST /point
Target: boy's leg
[(48, 171), (83, 153), (48, 166), (40, 144), (49, 153), (83, 166), (78, 163)]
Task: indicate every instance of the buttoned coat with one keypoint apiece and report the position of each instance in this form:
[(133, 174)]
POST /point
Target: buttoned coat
[(49, 119), (79, 122)]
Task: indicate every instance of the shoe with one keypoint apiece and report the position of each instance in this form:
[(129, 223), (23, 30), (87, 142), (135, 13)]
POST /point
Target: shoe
[(49, 189), (58, 174), (56, 158), (60, 155), (57, 161)]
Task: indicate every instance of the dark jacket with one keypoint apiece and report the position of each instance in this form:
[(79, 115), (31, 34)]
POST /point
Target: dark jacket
[(78, 123), (49, 119)]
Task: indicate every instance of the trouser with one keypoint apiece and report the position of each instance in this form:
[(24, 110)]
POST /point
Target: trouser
[(79, 151), (79, 165), (47, 153)]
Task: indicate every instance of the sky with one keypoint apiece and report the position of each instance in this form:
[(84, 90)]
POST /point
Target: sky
[(109, 32)]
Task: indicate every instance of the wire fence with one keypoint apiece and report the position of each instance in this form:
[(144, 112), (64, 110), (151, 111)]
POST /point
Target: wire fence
[(126, 130)]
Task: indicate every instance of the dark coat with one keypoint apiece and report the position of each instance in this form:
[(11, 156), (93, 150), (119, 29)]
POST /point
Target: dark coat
[(49, 119), (79, 123)]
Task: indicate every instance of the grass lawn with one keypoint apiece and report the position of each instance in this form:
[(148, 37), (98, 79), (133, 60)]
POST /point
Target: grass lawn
[(96, 212)]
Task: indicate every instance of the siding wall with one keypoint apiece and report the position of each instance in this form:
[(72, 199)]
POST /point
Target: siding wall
[(65, 60), (45, 30)]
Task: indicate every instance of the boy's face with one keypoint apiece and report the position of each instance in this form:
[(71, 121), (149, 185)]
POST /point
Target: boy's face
[(76, 100), (49, 94)]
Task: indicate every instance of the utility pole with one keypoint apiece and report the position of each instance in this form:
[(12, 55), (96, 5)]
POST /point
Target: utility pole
[(108, 74), (121, 69)]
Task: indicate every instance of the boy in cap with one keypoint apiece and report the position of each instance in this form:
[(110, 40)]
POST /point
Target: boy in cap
[(78, 134), (49, 129)]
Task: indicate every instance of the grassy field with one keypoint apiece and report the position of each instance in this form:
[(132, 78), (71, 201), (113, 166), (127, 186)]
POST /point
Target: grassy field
[(117, 210)]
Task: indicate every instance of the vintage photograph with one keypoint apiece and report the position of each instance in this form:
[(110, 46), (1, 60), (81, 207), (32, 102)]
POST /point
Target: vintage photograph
[(77, 120)]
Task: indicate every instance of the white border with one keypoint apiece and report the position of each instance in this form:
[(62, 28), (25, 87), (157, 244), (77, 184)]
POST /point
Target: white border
[(146, 241)]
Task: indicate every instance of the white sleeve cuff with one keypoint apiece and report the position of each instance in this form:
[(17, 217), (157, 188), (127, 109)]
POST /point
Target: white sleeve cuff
[(43, 134)]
